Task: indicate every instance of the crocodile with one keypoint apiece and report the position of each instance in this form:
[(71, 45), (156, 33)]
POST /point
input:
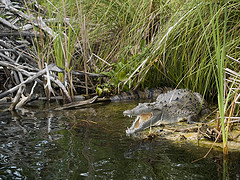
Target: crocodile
[(150, 94), (171, 107)]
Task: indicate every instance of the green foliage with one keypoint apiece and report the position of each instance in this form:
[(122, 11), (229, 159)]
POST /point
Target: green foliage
[(99, 90), (219, 38), (149, 43), (67, 36), (103, 89), (117, 74)]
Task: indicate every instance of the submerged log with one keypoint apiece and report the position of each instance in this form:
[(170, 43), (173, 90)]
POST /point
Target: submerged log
[(77, 104)]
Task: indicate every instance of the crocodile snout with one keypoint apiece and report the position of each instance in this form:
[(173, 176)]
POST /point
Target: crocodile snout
[(128, 113)]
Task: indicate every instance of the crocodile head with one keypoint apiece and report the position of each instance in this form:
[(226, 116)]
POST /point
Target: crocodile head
[(147, 115), (140, 109)]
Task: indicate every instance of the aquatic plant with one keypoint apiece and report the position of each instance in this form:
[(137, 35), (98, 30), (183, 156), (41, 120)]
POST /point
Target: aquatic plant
[(220, 48)]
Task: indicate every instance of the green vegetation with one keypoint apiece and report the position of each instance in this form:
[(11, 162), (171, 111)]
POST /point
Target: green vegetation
[(219, 48), (148, 43)]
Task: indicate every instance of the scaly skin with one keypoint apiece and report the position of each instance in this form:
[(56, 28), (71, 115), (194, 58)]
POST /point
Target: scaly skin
[(173, 106)]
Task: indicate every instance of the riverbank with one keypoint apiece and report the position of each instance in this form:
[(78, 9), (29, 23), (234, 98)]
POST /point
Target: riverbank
[(202, 135)]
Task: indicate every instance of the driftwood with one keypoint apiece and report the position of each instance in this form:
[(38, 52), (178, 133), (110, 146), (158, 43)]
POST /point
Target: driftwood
[(16, 59), (25, 99), (77, 104), (17, 97), (20, 66), (38, 22), (76, 98), (28, 80), (20, 100)]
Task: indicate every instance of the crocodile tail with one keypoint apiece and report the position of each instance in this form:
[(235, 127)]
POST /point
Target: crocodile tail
[(135, 95), (125, 96)]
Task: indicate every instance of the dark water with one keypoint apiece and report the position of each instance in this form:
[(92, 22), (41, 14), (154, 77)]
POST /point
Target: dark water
[(90, 143)]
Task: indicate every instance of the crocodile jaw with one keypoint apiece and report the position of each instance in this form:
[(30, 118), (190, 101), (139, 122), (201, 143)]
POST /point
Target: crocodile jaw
[(139, 123), (142, 108)]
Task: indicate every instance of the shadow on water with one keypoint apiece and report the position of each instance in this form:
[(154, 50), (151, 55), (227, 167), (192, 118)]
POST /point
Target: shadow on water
[(90, 143)]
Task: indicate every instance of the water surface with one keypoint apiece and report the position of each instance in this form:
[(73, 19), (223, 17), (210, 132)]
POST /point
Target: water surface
[(90, 143)]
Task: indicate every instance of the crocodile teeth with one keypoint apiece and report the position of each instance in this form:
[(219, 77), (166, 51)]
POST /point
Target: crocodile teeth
[(128, 115)]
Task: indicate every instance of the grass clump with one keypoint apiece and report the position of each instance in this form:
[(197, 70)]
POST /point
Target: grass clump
[(146, 43)]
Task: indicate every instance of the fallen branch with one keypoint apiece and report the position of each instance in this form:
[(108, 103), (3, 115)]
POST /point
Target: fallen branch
[(76, 98), (28, 80), (16, 33), (36, 22), (8, 24), (59, 83), (15, 67), (26, 99), (76, 104), (17, 97)]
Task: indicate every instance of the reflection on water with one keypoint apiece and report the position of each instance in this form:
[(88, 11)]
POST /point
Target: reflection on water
[(90, 143)]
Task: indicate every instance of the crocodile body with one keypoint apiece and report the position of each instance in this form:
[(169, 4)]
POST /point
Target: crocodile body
[(150, 94), (173, 106)]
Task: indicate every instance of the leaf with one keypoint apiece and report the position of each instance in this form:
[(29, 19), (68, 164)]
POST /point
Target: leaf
[(122, 76), (99, 90)]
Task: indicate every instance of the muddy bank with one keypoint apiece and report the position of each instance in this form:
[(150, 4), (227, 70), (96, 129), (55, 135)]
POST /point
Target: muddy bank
[(202, 135)]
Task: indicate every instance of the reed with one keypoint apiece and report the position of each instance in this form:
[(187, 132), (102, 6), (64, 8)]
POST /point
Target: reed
[(226, 82), (66, 44), (220, 50), (182, 58), (148, 43)]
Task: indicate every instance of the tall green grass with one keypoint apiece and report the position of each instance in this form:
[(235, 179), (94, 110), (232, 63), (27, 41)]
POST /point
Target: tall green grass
[(67, 41), (183, 57), (147, 43), (218, 59)]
